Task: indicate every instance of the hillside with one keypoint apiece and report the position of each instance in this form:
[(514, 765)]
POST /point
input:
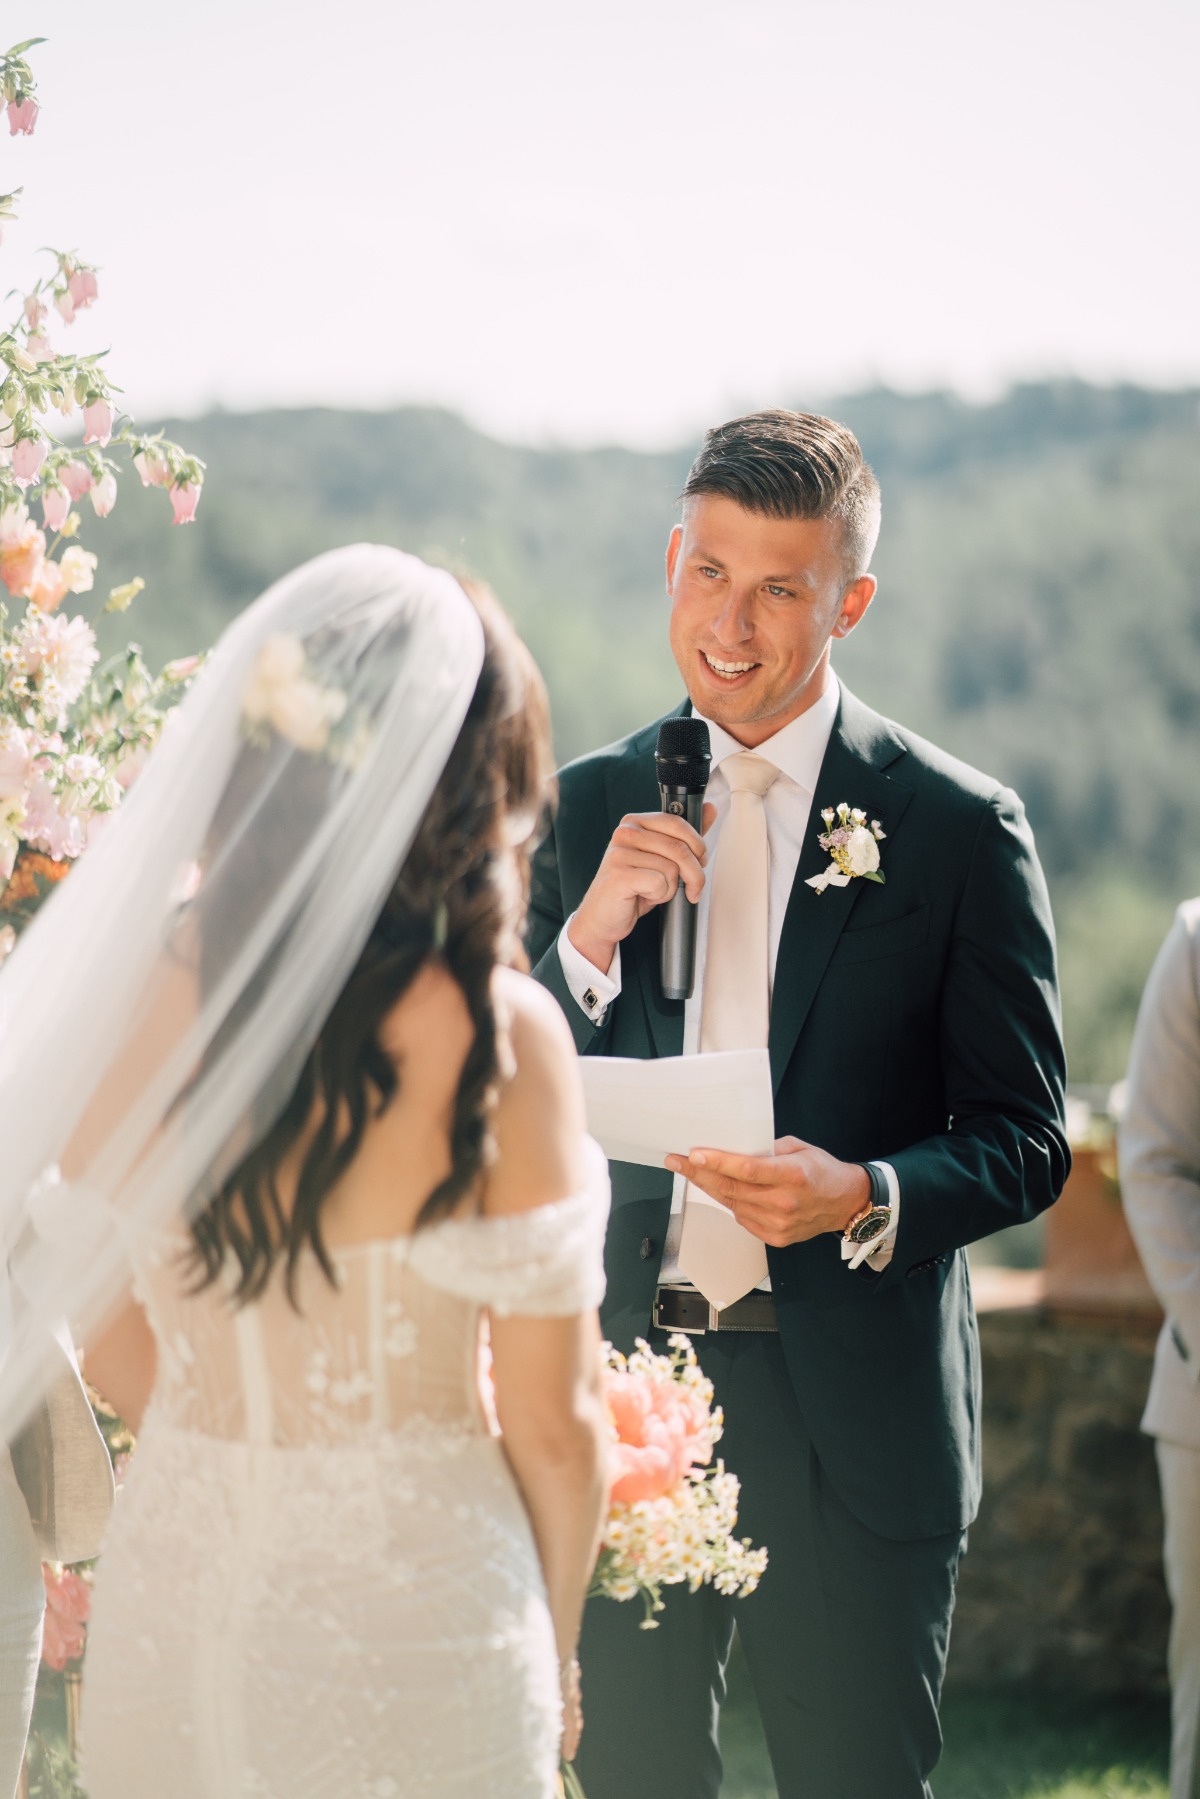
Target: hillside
[(1038, 613)]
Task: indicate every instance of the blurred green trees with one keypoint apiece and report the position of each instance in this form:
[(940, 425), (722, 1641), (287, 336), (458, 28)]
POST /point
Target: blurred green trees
[(1038, 612)]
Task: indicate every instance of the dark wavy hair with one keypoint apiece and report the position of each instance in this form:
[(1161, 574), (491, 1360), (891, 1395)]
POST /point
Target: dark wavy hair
[(459, 897)]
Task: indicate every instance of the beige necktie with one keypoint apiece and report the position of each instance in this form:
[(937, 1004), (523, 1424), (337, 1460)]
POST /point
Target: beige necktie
[(715, 1253)]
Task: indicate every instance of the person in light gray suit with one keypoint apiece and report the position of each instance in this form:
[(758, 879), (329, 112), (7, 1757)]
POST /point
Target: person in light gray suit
[(1160, 1181)]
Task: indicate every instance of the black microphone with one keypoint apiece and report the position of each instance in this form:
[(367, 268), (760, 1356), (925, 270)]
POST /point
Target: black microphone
[(681, 764)]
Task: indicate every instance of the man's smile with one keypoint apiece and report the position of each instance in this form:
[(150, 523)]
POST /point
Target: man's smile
[(726, 669)]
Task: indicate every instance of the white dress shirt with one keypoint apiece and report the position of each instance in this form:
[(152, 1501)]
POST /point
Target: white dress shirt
[(797, 751)]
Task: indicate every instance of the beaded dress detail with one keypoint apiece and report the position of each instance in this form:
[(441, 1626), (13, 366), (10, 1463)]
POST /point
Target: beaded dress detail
[(320, 1581)]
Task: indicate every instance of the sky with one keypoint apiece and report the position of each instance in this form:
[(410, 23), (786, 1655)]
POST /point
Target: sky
[(617, 222)]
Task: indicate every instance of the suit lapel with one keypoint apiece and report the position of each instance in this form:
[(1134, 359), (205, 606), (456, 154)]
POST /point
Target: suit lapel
[(632, 787), (861, 746)]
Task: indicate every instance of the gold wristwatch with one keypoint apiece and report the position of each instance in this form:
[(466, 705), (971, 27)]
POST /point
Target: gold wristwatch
[(876, 1215)]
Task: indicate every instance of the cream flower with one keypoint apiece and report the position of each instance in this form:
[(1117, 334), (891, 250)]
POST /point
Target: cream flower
[(281, 694), (862, 852)]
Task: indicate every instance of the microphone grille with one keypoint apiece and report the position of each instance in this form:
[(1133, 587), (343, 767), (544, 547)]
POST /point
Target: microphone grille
[(682, 737), (682, 757)]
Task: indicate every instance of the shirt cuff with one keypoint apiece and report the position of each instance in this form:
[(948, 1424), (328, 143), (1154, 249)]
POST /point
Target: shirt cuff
[(592, 991), (877, 1253)]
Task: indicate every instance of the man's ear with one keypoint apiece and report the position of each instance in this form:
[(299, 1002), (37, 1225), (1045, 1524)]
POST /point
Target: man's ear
[(855, 600), (673, 543)]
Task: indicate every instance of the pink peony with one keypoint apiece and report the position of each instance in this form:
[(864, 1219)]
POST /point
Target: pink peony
[(77, 478), (104, 494), (28, 455), (185, 500), (82, 288), (22, 117), (68, 1607), (97, 422), (660, 1430), (153, 467), (56, 506), (22, 547)]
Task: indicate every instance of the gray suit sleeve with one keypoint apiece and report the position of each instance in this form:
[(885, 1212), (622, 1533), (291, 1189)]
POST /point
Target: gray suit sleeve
[(1160, 1134)]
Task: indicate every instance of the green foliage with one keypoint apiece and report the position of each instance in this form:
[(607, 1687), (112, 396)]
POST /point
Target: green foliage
[(1038, 612)]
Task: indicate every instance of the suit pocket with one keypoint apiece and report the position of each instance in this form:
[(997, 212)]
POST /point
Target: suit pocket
[(891, 938)]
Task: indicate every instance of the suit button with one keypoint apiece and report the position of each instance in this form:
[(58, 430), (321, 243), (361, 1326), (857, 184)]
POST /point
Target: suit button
[(647, 1248)]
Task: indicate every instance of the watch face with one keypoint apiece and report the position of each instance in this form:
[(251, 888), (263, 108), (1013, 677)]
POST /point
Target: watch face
[(876, 1220)]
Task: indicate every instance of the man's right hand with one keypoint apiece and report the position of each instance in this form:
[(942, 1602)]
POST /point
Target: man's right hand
[(649, 855)]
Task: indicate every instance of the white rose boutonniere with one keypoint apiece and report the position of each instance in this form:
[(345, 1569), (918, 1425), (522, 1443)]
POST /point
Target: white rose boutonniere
[(854, 846)]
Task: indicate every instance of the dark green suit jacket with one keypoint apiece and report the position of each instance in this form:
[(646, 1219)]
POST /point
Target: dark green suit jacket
[(915, 1021)]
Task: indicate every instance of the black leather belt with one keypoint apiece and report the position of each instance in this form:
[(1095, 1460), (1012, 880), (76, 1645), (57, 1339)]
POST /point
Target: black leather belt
[(683, 1309)]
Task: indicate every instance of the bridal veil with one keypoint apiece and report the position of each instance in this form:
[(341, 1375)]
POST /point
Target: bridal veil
[(156, 1014)]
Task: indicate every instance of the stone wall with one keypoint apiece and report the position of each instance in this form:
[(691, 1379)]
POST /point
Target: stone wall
[(1062, 1582)]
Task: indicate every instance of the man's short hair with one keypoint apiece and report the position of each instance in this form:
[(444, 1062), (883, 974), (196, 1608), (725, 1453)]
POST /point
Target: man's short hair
[(794, 465)]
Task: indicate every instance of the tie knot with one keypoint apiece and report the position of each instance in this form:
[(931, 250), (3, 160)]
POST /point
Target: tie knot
[(748, 773)]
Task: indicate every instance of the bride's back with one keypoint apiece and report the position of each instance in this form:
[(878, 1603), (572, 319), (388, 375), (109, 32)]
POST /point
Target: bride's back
[(393, 1340)]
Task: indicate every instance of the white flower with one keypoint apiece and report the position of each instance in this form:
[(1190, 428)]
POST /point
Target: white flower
[(78, 568), (8, 942), (862, 852), (62, 650), (81, 768), (282, 695)]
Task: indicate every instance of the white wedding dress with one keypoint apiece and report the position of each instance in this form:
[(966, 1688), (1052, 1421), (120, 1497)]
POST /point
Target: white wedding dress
[(320, 1581)]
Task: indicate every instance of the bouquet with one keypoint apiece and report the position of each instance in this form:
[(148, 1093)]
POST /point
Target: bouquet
[(672, 1511), (72, 735)]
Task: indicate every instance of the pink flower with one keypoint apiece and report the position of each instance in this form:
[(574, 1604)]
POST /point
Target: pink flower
[(660, 1430), (153, 467), (49, 586), (77, 478), (28, 455), (65, 306), (22, 117), (184, 500), (68, 1607), (83, 288), (104, 494), (16, 762), (39, 347), (61, 835), (64, 648), (35, 311), (97, 422), (22, 547), (56, 506)]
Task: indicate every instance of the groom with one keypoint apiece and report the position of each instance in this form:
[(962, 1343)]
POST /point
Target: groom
[(912, 1024)]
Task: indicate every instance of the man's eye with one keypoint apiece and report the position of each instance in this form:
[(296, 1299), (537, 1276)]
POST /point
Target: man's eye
[(711, 573), (779, 593)]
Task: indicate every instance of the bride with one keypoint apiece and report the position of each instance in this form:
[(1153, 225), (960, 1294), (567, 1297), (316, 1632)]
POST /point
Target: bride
[(350, 1555)]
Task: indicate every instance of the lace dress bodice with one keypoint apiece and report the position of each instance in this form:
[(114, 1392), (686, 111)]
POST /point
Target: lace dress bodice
[(396, 1341), (321, 1582)]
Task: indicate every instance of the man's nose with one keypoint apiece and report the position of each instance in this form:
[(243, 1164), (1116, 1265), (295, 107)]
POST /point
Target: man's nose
[(734, 623)]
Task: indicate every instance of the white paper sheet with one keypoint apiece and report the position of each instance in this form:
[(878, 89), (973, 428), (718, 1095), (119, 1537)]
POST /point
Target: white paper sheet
[(643, 1111)]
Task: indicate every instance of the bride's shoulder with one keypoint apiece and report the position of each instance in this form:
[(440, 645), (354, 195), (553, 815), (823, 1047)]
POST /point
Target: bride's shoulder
[(540, 1122)]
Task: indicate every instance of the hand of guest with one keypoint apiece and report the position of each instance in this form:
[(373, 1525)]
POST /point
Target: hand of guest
[(649, 855), (572, 1703), (797, 1193)]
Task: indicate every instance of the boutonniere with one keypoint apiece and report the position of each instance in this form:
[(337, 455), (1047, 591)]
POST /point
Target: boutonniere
[(854, 846)]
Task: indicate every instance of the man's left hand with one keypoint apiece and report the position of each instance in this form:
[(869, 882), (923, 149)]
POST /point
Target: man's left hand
[(798, 1192)]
